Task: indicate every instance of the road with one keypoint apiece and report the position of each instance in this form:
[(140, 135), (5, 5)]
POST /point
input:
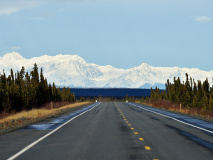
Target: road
[(111, 131)]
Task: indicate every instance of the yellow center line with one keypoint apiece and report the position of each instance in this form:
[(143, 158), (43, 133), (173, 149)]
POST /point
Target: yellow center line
[(141, 139), (124, 116), (147, 148), (119, 110)]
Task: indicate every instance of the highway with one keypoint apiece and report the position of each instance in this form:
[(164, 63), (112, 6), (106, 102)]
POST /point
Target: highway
[(109, 131)]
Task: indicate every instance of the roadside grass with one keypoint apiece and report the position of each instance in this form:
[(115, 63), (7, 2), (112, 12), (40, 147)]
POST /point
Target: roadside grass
[(194, 112), (24, 118)]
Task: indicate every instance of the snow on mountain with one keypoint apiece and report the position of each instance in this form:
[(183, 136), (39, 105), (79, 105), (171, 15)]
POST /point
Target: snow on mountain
[(145, 76), (73, 71)]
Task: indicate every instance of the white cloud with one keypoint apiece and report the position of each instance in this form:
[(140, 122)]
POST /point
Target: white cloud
[(15, 47), (8, 11), (8, 7), (203, 19)]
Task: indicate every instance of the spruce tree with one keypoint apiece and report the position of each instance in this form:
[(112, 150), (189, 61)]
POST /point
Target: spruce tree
[(211, 104)]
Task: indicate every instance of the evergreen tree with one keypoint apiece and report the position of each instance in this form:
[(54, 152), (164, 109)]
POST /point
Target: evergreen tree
[(210, 103), (25, 91), (206, 87), (195, 101), (204, 102), (188, 93), (35, 74)]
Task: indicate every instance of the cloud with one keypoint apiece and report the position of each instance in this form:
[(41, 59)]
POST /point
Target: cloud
[(8, 11), (15, 48), (203, 19), (12, 6)]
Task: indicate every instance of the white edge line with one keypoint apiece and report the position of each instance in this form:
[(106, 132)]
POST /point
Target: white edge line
[(173, 119), (40, 139)]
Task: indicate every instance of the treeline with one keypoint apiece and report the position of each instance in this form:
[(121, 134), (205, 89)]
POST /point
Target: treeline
[(189, 93), (24, 91)]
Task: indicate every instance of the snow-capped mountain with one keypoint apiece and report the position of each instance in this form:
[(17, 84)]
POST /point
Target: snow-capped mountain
[(73, 71)]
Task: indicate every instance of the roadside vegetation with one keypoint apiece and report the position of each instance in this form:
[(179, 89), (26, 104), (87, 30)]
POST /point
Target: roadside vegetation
[(26, 98), (25, 91), (186, 97), (24, 118)]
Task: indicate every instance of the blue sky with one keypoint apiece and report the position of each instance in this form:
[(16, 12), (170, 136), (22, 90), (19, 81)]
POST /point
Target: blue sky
[(121, 33)]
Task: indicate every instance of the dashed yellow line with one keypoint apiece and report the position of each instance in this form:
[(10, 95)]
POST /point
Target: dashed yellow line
[(141, 139), (119, 111), (147, 148)]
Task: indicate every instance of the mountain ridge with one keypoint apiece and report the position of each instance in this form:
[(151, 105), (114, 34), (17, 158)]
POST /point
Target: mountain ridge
[(74, 71)]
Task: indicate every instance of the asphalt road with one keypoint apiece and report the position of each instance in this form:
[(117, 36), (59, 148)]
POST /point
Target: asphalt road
[(111, 131)]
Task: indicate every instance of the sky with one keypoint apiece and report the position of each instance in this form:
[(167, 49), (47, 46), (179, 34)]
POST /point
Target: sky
[(121, 33)]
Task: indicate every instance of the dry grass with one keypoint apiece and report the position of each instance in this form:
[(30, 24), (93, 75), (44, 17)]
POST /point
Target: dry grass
[(49, 105), (137, 102), (21, 119)]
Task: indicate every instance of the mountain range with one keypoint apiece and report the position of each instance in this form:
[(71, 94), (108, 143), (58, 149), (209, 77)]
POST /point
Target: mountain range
[(73, 71)]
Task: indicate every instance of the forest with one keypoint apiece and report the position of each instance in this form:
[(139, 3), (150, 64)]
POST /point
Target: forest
[(190, 94), (24, 91)]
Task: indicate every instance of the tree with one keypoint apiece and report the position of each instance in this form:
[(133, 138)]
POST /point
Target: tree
[(206, 87), (195, 89), (35, 74), (210, 103), (195, 101), (204, 102), (25, 91), (187, 101)]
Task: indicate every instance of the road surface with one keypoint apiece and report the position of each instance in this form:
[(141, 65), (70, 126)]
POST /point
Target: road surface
[(109, 131)]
